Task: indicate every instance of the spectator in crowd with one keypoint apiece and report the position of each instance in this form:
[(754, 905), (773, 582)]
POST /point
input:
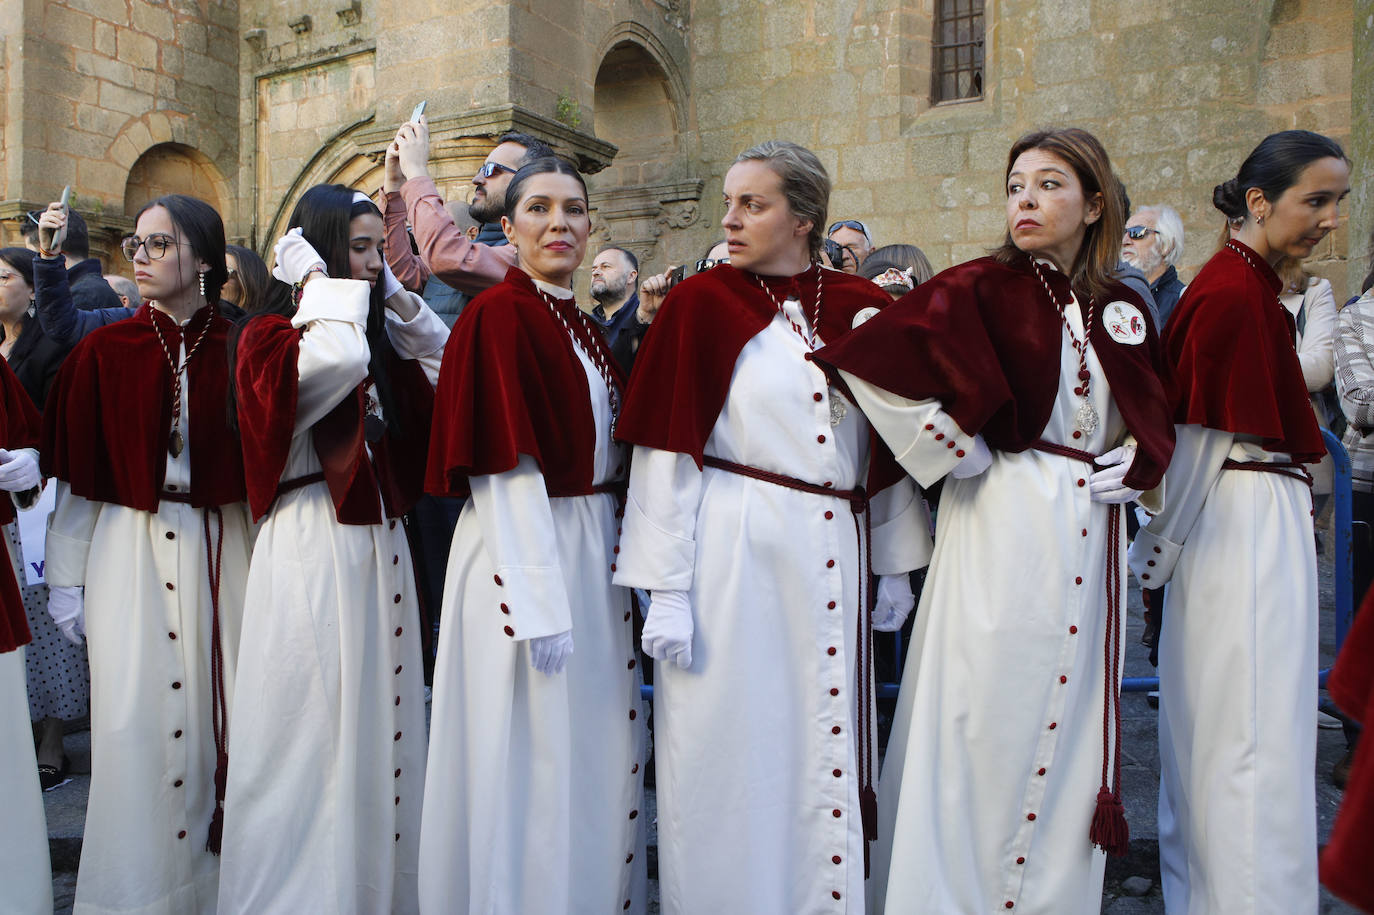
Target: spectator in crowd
[(334, 401), (58, 684), (537, 740), (855, 242), (443, 299), (1311, 302), (1029, 381), (1153, 244), (25, 870), (90, 292), (718, 253), (744, 519), (126, 289), (247, 289), (157, 552), (1354, 347), (618, 311), (54, 296), (898, 269), (410, 196), (1238, 829), (1133, 279)]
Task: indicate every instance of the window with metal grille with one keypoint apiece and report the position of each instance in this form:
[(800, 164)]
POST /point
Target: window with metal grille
[(957, 51)]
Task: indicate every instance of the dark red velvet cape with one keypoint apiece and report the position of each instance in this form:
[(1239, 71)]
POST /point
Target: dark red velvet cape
[(109, 414), (1347, 863), (511, 384), (267, 381), (1230, 342), (683, 370), (983, 339), (19, 424)]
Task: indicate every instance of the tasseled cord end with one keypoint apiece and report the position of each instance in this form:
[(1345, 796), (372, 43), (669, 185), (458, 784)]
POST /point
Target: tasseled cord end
[(216, 838), (1109, 831)]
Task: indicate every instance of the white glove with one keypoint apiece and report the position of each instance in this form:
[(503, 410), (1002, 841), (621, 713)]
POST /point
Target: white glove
[(549, 653), (1105, 485), (19, 470), (294, 257), (978, 459), (390, 285), (67, 607), (895, 601), (668, 628)]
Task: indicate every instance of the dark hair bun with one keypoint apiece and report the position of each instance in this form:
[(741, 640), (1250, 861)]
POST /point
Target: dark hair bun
[(1229, 198)]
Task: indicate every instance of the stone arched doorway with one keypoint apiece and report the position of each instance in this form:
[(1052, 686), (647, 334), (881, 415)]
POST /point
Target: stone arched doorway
[(645, 191), (172, 168)]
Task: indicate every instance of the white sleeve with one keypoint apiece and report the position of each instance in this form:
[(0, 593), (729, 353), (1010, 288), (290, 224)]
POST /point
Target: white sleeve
[(1192, 472), (658, 546), (1317, 351), (926, 440), (516, 521), (901, 529), (422, 338), (70, 527), (333, 350)]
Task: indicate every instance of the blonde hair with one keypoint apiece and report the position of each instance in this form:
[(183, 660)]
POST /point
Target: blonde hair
[(805, 183)]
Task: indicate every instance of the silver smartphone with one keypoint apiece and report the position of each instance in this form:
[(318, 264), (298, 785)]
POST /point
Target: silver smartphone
[(419, 110), (66, 196)]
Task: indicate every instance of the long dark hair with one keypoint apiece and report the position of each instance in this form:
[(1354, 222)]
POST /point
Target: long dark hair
[(324, 214), (1273, 166), (202, 229), (253, 278), (1095, 265)]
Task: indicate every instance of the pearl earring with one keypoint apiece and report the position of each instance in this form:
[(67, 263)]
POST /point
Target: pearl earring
[(202, 284)]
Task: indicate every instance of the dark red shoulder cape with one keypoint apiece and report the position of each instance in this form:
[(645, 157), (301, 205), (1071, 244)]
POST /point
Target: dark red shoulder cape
[(983, 339), (267, 382), (1346, 860), (19, 425), (109, 414), (511, 384), (1230, 342), (683, 371)]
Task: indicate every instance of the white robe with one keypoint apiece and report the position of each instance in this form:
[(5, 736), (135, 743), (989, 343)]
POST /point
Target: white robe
[(148, 633), (756, 751), (1237, 682), (995, 757), (539, 807), (327, 762), (25, 872)]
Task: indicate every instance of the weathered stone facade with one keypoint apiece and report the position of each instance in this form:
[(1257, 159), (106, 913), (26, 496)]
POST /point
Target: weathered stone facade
[(250, 103)]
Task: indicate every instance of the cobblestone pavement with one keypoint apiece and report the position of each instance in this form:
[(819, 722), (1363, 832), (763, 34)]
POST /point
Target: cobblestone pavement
[(66, 806)]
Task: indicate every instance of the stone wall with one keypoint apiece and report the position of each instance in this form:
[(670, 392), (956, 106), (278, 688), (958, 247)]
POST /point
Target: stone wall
[(1178, 91)]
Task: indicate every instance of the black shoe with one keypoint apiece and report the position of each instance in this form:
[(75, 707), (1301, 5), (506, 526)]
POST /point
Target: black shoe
[(1340, 772), (51, 777)]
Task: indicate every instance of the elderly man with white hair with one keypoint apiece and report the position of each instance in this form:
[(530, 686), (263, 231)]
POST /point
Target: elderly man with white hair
[(1153, 244)]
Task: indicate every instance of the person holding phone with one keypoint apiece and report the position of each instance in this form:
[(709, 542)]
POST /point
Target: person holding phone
[(755, 506), (71, 298), (333, 394), (537, 725), (147, 553)]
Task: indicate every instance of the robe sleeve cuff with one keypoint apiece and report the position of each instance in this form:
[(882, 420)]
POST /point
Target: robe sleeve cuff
[(937, 449), (423, 335), (650, 557), (537, 598), (64, 563), (1152, 558), (329, 299), (902, 543)]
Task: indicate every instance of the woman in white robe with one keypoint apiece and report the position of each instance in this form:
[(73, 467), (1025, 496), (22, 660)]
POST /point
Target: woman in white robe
[(537, 726), (150, 519), (327, 771), (1009, 378), (1238, 647), (763, 689)]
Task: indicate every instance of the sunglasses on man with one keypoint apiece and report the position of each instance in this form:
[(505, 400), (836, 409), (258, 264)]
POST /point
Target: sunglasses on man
[(489, 170), (1139, 232)]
